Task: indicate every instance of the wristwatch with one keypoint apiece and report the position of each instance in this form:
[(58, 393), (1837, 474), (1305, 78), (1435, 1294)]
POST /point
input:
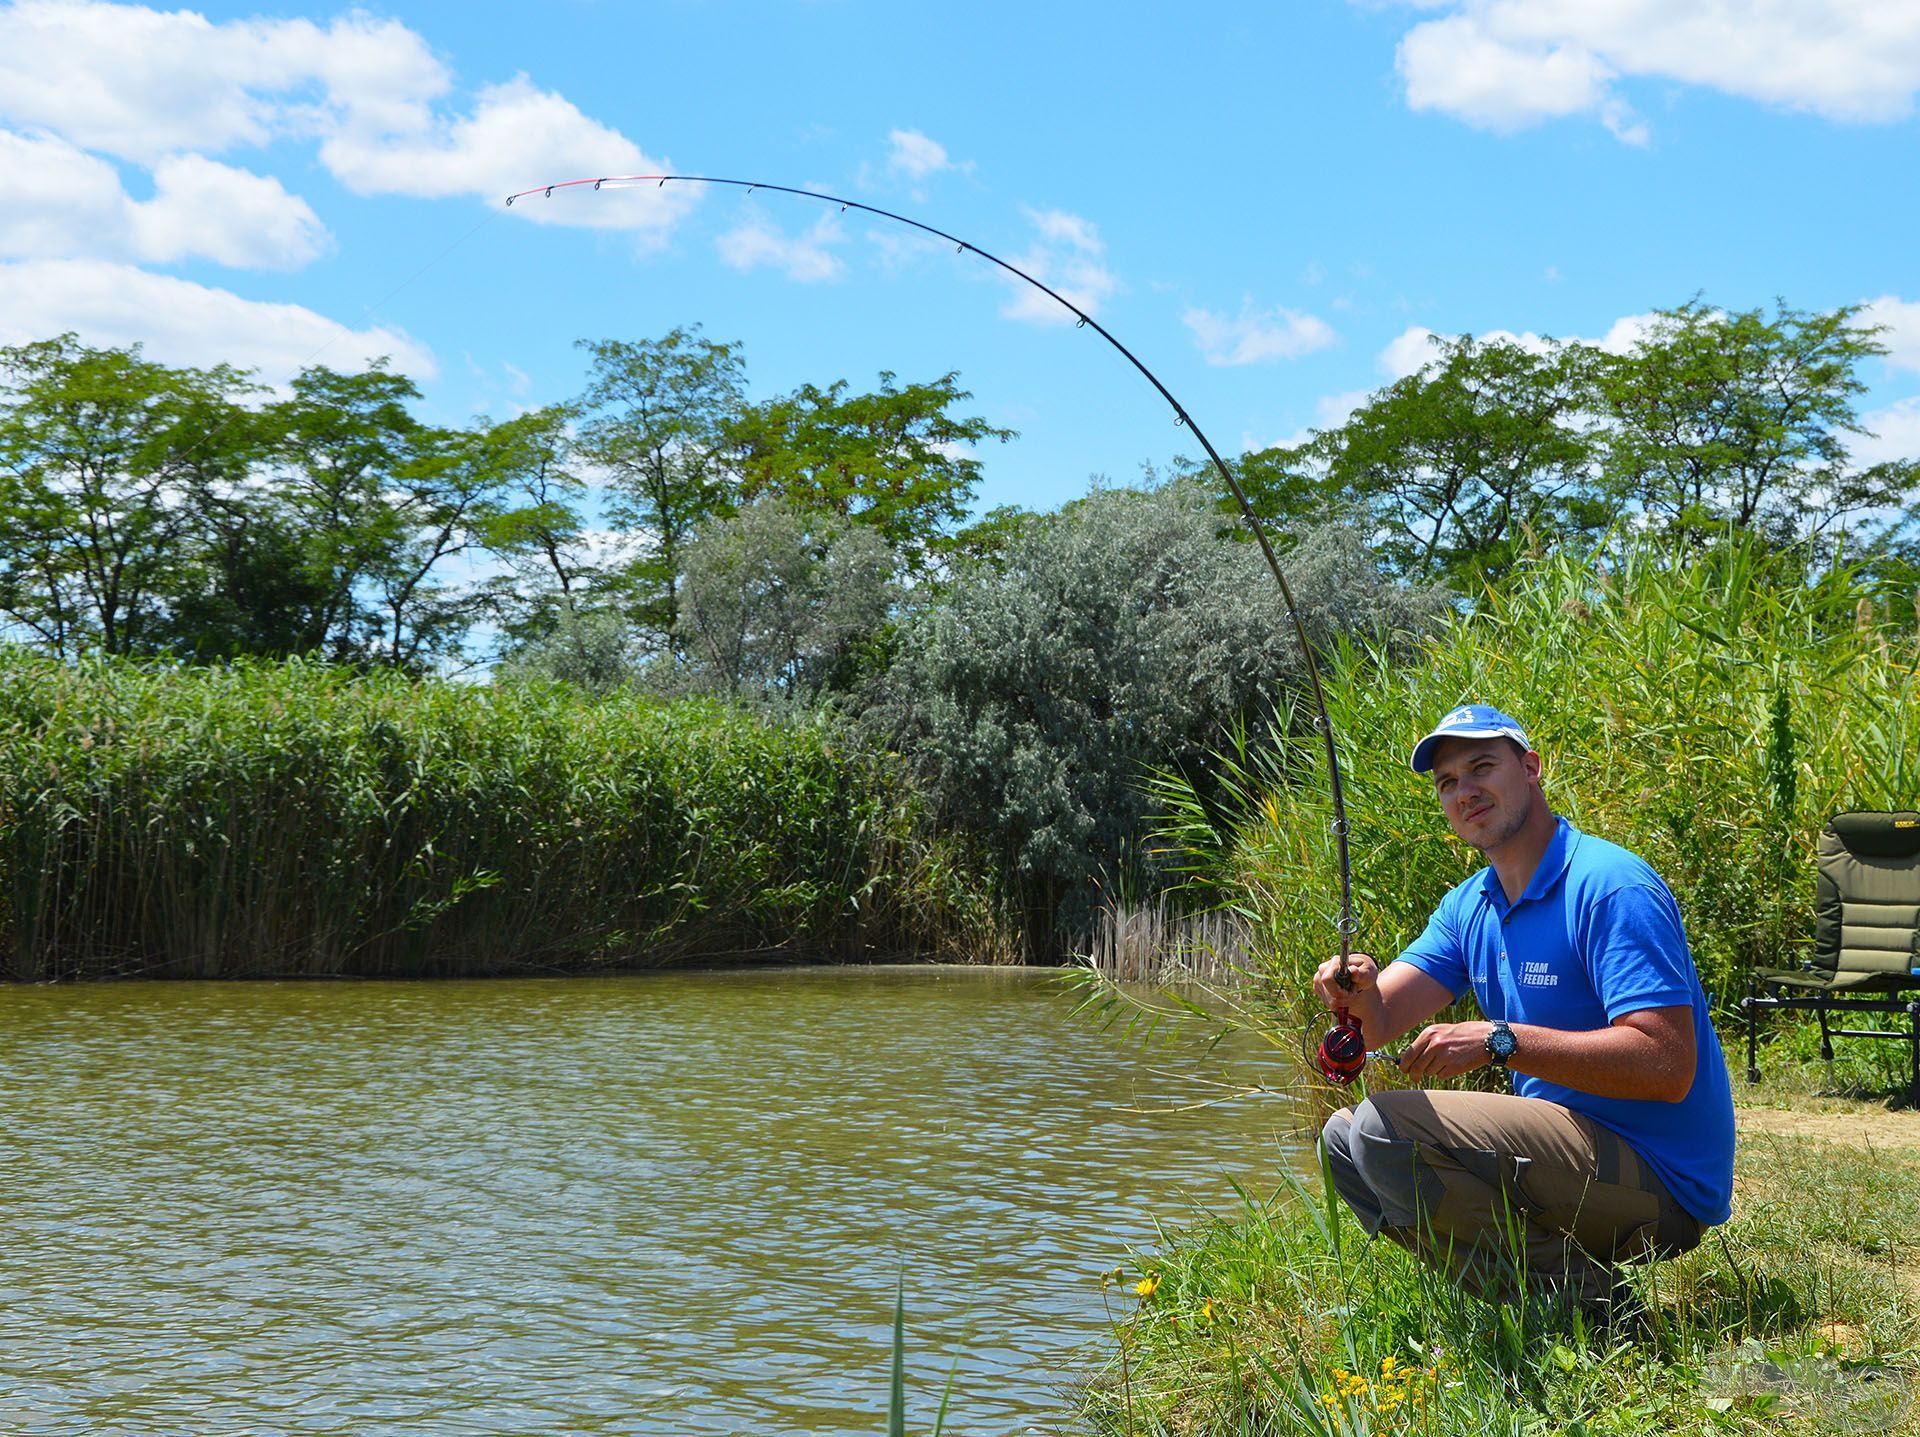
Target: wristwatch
[(1501, 1043)]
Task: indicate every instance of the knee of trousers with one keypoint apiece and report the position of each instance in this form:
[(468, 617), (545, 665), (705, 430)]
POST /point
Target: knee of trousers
[(1406, 1189)]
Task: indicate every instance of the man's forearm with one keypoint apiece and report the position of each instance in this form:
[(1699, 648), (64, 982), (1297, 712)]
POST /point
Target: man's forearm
[(1620, 1061), (1647, 1055)]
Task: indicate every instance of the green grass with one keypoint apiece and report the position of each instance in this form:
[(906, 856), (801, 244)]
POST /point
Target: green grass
[(1804, 1310), (299, 820)]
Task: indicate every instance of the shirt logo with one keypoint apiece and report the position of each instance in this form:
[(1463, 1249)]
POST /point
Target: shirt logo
[(1535, 975)]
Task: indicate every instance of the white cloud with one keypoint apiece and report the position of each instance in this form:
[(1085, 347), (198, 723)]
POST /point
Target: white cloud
[(57, 196), (1415, 346), (1625, 332), (1257, 335), (1900, 318), (1407, 351), (1893, 433), (143, 85), (806, 257), (204, 208), (1456, 66), (517, 136), (1067, 260), (1509, 63), (916, 156), (1059, 227), (184, 323), (64, 202)]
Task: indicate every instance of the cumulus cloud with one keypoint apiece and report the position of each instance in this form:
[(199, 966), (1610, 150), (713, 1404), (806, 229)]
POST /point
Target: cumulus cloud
[(140, 83), (1892, 433), (916, 156), (1504, 64), (1899, 320), (144, 85), (206, 209), (516, 135), (1068, 259), (1407, 351), (1416, 346), (64, 201), (807, 258), (180, 322), (1257, 335)]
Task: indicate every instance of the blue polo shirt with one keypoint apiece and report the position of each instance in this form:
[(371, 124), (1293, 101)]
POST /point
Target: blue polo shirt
[(1597, 934)]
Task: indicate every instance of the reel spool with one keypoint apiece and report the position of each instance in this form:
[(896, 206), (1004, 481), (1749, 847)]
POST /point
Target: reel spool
[(1343, 1051)]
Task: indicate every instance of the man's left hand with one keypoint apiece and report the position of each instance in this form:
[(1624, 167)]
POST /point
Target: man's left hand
[(1446, 1050)]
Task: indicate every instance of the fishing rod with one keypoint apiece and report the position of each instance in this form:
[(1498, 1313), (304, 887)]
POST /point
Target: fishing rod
[(1343, 1052)]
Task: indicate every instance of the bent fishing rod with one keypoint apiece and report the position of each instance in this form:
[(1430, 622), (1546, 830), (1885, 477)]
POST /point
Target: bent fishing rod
[(1343, 1051)]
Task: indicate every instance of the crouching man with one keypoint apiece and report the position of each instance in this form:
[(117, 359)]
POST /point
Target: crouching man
[(1616, 1143)]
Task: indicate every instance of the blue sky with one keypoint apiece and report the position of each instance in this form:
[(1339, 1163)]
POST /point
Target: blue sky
[(1271, 204)]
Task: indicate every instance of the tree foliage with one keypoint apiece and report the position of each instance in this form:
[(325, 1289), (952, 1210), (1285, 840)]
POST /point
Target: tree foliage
[(781, 600), (1710, 420), (98, 449), (1117, 637), (655, 422), (896, 459)]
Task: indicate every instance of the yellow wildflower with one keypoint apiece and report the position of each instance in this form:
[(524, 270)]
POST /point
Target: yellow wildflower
[(1206, 1310), (1148, 1285)]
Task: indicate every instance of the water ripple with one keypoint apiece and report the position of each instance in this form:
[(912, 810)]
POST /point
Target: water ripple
[(656, 1204)]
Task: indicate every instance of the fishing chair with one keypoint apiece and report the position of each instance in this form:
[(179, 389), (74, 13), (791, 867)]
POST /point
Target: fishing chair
[(1866, 946)]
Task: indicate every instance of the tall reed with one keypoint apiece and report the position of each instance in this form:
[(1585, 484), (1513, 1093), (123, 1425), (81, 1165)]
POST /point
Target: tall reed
[(301, 820), (1708, 711)]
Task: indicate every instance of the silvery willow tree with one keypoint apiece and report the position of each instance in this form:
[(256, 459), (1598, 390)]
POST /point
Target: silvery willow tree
[(1125, 634)]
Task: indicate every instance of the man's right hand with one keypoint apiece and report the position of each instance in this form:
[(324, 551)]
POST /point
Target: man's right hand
[(1364, 972)]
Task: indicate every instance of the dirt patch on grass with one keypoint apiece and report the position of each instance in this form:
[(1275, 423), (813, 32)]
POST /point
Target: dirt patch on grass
[(1858, 1125)]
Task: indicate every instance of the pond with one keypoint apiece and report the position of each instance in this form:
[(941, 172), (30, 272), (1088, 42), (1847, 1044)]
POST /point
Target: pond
[(658, 1203)]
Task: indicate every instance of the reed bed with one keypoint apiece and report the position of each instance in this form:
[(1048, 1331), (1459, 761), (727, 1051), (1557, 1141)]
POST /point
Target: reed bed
[(300, 820), (1155, 942), (1708, 711)]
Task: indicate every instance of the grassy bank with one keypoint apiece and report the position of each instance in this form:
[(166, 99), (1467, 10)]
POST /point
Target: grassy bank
[(1802, 1314), (293, 819)]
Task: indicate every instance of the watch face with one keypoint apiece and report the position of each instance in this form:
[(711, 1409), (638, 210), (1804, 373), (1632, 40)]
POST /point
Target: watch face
[(1501, 1043)]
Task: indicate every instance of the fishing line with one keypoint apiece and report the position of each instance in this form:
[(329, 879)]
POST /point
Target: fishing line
[(1182, 418)]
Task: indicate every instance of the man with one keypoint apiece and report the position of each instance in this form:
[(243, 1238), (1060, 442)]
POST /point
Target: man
[(1616, 1143)]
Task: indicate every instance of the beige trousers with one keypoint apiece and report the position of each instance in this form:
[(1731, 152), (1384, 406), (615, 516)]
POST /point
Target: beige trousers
[(1504, 1192)]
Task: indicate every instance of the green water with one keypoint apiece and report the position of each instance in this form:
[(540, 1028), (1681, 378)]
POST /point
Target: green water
[(649, 1204)]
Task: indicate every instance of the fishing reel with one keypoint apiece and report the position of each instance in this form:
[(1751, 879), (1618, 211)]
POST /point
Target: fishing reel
[(1343, 1051)]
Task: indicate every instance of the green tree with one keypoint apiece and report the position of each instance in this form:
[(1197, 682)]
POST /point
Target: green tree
[(343, 443), (1460, 466), (1717, 418), (541, 534), (451, 495), (1116, 637), (657, 417), (896, 459), (781, 600), (102, 455)]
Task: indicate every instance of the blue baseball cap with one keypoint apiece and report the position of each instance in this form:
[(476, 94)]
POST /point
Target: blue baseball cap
[(1467, 721)]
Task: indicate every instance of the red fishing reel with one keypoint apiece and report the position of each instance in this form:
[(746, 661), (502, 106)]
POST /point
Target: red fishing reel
[(1343, 1051)]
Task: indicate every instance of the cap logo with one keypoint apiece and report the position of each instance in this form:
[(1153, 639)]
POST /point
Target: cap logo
[(1458, 716)]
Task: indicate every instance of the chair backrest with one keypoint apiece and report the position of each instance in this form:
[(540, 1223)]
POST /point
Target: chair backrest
[(1867, 896)]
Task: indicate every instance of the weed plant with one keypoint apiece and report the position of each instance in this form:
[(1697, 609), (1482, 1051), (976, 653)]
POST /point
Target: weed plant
[(296, 819)]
